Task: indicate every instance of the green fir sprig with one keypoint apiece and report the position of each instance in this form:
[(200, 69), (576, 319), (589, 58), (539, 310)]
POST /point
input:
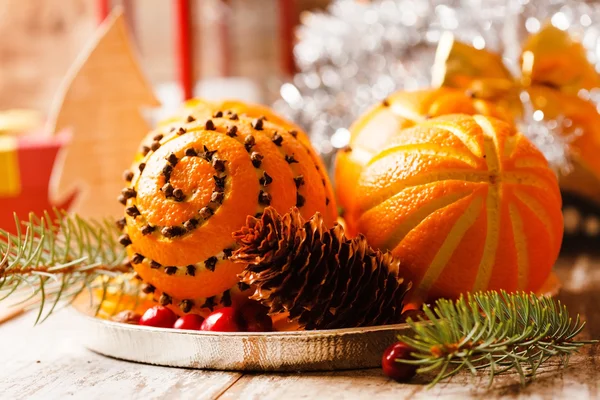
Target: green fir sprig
[(498, 332), (55, 257)]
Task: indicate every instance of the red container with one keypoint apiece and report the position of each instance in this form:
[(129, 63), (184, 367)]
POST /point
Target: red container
[(27, 164)]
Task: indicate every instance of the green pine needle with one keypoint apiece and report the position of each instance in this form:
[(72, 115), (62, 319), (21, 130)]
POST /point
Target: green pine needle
[(57, 257), (54, 258), (500, 332)]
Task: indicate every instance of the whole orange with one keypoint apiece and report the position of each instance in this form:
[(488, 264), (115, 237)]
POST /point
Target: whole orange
[(467, 203), (196, 179), (373, 129)]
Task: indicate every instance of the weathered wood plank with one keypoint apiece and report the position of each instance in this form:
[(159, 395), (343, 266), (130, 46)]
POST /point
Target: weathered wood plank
[(46, 362), (579, 381), (66, 369), (581, 294)]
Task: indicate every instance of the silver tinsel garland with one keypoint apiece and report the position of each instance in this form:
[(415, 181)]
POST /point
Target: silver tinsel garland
[(358, 53)]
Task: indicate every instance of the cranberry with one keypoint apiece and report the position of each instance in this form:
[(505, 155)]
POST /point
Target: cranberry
[(127, 317), (396, 370), (190, 321), (224, 320), (158, 316), (256, 317)]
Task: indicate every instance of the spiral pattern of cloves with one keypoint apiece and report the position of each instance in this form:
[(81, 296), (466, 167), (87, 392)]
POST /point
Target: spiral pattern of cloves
[(194, 181)]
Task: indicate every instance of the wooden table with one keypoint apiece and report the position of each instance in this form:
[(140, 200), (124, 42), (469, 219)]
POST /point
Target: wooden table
[(46, 362)]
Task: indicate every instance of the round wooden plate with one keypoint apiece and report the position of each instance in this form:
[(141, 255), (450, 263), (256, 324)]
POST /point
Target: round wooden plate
[(269, 351)]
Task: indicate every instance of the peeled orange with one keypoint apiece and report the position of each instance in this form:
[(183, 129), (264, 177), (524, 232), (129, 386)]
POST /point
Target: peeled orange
[(401, 110), (467, 203)]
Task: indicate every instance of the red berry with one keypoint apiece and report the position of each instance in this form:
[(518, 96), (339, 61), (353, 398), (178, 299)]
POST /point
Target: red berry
[(158, 316), (190, 321), (256, 317), (224, 320), (396, 370)]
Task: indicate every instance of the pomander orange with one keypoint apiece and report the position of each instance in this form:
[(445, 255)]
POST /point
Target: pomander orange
[(373, 129), (467, 202), (196, 179)]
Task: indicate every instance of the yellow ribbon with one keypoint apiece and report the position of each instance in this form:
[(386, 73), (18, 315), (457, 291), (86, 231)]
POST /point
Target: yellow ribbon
[(550, 58), (10, 182)]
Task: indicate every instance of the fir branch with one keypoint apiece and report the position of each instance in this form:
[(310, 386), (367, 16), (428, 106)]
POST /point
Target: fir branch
[(57, 257), (497, 331)]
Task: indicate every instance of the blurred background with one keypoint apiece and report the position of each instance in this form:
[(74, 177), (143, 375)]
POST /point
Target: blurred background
[(46, 36), (320, 63), (70, 121)]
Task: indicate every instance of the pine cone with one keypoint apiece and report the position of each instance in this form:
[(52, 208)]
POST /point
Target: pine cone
[(323, 279)]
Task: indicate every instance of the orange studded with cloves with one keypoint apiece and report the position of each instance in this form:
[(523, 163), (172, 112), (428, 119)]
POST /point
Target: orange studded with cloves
[(195, 180)]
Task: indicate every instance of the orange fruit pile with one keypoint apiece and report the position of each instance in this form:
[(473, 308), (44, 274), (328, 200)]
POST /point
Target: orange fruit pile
[(194, 182), (467, 203)]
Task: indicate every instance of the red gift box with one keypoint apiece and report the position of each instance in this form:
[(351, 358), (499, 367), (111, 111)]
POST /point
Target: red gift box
[(26, 168)]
